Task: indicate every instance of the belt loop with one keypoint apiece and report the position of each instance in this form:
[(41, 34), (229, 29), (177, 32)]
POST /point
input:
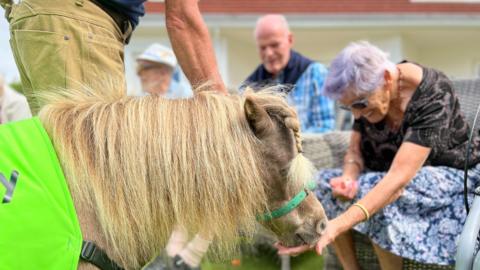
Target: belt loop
[(127, 31), (79, 3), (7, 5)]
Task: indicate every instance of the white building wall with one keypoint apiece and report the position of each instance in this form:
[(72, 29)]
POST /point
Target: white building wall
[(449, 44)]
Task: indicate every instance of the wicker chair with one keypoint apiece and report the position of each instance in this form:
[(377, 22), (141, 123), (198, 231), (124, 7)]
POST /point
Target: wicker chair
[(327, 151)]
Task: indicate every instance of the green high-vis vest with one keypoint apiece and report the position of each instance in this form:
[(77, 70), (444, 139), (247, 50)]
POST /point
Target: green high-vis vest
[(39, 228)]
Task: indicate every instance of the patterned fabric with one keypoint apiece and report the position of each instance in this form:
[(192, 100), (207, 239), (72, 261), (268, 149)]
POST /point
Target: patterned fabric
[(433, 119), (315, 111), (423, 224)]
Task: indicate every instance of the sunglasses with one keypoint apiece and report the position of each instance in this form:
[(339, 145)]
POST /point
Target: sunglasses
[(357, 105)]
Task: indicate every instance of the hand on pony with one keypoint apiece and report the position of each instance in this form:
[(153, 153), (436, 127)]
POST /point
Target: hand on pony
[(344, 187), (333, 229), (292, 251)]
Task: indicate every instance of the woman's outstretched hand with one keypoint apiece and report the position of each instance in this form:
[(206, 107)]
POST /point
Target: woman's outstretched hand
[(292, 251), (328, 236)]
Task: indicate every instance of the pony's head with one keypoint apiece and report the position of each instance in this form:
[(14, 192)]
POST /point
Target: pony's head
[(295, 215)]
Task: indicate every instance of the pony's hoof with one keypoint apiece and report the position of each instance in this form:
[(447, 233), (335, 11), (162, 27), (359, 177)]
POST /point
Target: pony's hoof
[(159, 263), (180, 264), (165, 262)]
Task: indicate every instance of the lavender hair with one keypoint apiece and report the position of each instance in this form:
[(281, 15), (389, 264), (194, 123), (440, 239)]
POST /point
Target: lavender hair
[(359, 66)]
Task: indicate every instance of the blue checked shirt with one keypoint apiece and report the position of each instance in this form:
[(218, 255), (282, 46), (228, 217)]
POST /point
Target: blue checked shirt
[(316, 112)]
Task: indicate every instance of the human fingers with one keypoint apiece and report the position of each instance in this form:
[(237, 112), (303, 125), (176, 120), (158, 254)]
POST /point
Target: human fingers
[(336, 192), (319, 247), (343, 182), (332, 230), (341, 193), (292, 251), (325, 240), (334, 182), (352, 190)]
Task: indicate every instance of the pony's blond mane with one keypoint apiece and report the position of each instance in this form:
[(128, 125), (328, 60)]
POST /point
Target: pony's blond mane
[(301, 170), (146, 164)]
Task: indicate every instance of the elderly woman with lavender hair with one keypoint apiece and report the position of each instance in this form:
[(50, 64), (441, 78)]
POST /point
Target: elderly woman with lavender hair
[(402, 181)]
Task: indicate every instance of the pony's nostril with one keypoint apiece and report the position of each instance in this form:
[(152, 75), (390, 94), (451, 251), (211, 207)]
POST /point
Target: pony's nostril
[(321, 225), (301, 238)]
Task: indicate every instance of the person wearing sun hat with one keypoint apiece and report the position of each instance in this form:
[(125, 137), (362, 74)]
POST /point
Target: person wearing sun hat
[(159, 74)]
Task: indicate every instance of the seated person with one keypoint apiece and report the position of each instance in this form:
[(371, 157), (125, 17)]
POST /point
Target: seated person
[(159, 74), (302, 77), (13, 105), (402, 179)]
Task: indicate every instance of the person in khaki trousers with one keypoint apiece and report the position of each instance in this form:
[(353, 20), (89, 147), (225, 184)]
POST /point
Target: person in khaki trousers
[(80, 43)]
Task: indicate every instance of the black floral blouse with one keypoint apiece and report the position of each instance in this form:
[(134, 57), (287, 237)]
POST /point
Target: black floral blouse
[(432, 119)]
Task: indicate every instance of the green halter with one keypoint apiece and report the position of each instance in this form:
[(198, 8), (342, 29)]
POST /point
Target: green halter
[(289, 206)]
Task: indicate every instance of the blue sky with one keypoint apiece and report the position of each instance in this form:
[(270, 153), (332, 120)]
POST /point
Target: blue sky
[(7, 64)]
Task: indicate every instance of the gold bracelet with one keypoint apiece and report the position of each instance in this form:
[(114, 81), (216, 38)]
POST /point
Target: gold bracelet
[(354, 161), (364, 210)]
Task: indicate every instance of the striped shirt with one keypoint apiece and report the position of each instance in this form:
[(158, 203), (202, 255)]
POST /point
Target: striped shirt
[(316, 112)]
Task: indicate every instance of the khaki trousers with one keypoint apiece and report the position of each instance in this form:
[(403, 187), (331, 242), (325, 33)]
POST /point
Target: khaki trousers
[(66, 44)]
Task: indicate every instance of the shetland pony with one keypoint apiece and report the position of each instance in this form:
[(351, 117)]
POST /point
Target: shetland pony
[(135, 167)]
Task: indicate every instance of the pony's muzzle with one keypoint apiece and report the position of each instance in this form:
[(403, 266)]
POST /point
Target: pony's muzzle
[(309, 233)]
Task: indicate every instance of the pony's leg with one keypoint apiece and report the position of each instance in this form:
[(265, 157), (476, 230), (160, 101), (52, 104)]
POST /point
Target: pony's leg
[(189, 255), (285, 259), (178, 240), (193, 253), (345, 250), (388, 260)]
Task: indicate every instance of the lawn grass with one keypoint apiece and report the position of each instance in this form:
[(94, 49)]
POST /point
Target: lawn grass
[(267, 259)]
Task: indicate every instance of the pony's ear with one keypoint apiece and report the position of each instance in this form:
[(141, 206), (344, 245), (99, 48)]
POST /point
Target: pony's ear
[(257, 117)]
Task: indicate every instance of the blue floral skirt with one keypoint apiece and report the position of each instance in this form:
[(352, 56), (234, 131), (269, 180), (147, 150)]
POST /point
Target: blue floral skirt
[(423, 224)]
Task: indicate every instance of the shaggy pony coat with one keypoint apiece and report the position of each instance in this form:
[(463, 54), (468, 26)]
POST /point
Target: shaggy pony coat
[(145, 164)]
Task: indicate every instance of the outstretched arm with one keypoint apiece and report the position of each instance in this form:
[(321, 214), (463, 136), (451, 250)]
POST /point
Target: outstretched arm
[(408, 160), (191, 43)]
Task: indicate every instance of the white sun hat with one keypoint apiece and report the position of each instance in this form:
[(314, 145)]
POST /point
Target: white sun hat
[(160, 54)]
